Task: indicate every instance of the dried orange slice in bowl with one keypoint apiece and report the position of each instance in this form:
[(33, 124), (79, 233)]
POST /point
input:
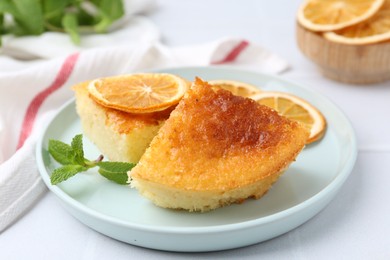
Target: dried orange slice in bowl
[(375, 29), (236, 87), (138, 93), (296, 109), (330, 15)]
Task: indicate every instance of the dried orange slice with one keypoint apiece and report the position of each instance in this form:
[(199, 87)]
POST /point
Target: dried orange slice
[(138, 93), (297, 109), (236, 87), (330, 15), (375, 29)]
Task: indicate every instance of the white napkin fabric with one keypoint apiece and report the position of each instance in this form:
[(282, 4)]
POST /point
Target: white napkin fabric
[(30, 97)]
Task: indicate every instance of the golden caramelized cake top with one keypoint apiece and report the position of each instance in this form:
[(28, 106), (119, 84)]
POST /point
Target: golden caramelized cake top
[(123, 122), (214, 140)]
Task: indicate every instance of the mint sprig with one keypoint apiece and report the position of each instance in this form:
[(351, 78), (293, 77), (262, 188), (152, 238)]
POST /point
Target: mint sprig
[(34, 17), (73, 161)]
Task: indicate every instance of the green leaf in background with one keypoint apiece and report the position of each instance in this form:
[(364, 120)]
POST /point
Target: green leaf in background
[(53, 11), (61, 152), (77, 147), (28, 16), (65, 172), (6, 6), (1, 26), (54, 8), (115, 171), (71, 26), (33, 17), (84, 18), (1, 23), (110, 11)]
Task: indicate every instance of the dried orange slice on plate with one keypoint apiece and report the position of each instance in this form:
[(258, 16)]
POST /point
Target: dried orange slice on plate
[(296, 109), (236, 87), (330, 15), (138, 93), (375, 29)]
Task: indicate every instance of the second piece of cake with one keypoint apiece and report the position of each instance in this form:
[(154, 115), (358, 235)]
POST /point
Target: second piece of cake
[(145, 97)]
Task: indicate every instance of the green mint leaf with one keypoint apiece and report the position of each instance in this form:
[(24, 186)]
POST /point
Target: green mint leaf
[(73, 161), (6, 6), (65, 172), (53, 12), (61, 152), (1, 23), (85, 18), (115, 171), (103, 25), (114, 9), (1, 26), (71, 26), (109, 11), (77, 147), (28, 16), (33, 17), (54, 8)]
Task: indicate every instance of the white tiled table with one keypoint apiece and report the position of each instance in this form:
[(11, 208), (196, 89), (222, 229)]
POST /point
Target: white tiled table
[(355, 225)]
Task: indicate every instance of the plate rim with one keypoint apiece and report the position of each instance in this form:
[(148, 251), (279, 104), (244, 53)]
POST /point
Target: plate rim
[(342, 174)]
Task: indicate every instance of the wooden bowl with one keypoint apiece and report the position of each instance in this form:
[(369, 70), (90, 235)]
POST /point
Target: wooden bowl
[(358, 64)]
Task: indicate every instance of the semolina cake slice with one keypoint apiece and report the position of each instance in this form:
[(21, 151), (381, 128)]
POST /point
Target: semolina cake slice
[(216, 149), (119, 135)]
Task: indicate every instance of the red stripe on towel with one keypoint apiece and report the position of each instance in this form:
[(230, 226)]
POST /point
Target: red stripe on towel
[(36, 103), (234, 53)]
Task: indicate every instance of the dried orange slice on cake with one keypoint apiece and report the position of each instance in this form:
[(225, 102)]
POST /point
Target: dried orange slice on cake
[(236, 87), (138, 93), (330, 15), (374, 30), (296, 109)]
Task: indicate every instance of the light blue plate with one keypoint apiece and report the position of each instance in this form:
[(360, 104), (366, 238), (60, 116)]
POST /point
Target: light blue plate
[(121, 213)]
